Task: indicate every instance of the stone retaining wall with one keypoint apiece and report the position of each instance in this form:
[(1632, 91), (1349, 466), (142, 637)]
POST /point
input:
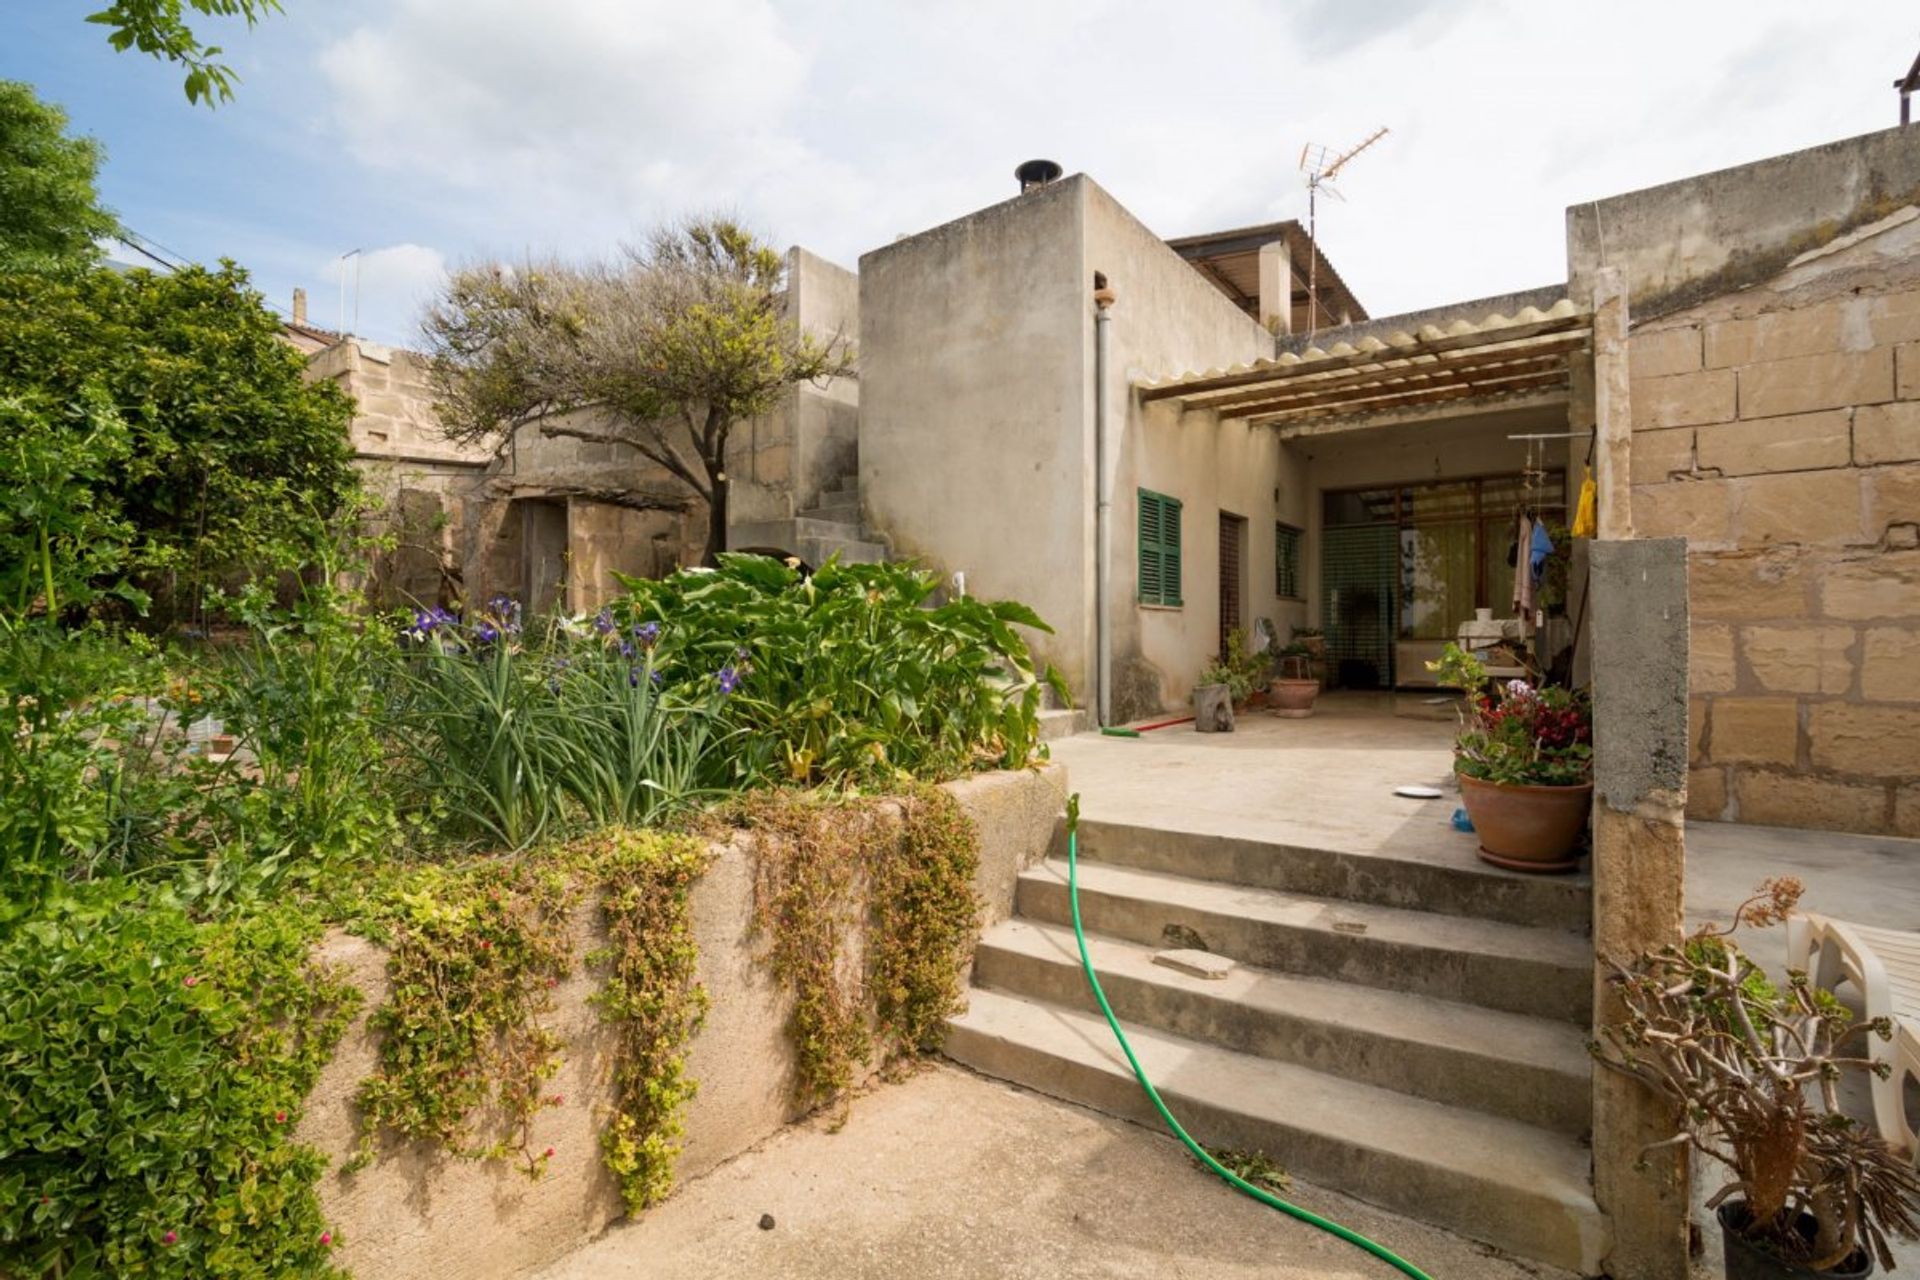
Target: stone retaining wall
[(417, 1212)]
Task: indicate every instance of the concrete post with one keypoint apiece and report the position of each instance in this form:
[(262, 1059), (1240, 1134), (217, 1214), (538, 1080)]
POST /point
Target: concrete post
[(1612, 458), (1637, 594), (1276, 287)]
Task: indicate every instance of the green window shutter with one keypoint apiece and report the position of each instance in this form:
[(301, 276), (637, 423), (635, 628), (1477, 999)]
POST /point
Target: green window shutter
[(1286, 561), (1159, 572)]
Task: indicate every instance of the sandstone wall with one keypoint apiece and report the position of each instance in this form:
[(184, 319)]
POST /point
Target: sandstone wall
[(417, 1214), (1777, 428)]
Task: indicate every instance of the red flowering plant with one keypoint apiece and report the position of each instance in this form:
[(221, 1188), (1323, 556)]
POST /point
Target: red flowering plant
[(1515, 733)]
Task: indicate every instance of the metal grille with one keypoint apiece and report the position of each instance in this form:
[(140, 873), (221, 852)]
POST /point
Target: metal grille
[(1286, 562), (1233, 538), (1357, 567)]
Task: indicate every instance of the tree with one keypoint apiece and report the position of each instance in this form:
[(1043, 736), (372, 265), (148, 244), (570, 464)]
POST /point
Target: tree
[(175, 410), (159, 27), (671, 345), (50, 214)]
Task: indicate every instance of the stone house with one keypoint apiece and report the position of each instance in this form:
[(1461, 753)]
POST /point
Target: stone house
[(1136, 436)]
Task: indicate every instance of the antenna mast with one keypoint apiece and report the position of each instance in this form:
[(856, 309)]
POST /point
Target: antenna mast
[(1321, 167)]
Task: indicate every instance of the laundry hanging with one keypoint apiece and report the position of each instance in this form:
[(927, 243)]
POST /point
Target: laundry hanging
[(1585, 516), (1523, 567)]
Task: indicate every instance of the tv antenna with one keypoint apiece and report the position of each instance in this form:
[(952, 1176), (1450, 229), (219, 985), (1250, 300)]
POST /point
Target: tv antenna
[(1321, 167), (356, 255)]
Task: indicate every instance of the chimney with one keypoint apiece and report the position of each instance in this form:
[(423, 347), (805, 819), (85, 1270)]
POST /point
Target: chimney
[(299, 306), (1036, 173)]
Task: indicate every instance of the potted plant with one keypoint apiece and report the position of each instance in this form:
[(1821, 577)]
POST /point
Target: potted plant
[(1752, 1072), (1294, 690), (1524, 760), (1314, 641)]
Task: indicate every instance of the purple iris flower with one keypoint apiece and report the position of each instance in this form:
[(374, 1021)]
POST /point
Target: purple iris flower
[(486, 633), (626, 650), (647, 633), (729, 680), (603, 622)]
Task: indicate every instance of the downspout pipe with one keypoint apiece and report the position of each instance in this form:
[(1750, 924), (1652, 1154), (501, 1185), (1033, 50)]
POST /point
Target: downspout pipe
[(1102, 506)]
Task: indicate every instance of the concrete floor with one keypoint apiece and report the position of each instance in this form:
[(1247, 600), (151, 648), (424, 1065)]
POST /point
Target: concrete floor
[(951, 1176)]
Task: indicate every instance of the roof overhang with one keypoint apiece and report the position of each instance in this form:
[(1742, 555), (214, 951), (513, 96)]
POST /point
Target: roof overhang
[(1527, 355)]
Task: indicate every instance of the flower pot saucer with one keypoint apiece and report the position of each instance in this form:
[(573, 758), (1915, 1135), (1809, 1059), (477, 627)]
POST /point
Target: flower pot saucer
[(1525, 864)]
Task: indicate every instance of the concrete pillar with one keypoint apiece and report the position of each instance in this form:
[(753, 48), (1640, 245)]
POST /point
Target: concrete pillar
[(1612, 456), (1276, 287), (1638, 598)]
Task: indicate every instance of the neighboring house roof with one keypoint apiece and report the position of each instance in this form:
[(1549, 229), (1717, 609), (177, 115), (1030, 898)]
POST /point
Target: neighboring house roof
[(1231, 261), (309, 338)]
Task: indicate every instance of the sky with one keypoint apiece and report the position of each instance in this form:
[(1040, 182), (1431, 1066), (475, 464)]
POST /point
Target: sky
[(433, 132)]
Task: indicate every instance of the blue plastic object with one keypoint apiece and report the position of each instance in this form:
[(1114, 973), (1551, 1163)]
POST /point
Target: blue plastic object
[(1461, 822)]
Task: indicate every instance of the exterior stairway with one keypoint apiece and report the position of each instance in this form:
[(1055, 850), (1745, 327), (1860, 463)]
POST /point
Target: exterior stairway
[(1408, 1032), (831, 527)]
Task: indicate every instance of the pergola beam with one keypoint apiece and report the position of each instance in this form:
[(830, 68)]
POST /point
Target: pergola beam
[(1463, 390)]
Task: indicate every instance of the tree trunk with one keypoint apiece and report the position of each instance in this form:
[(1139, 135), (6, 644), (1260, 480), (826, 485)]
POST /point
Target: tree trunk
[(717, 519)]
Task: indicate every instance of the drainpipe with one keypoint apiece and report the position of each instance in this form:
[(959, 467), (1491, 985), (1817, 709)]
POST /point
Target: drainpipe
[(1102, 508)]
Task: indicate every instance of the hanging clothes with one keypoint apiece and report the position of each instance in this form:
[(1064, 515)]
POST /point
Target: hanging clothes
[(1539, 549), (1523, 568)]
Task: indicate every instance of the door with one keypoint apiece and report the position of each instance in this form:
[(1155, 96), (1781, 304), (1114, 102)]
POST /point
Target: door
[(1233, 560)]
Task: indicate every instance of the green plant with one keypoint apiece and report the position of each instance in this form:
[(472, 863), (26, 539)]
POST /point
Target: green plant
[(1752, 1073), (850, 674), (519, 736), (1514, 733), (233, 465), (474, 955), (152, 1073), (1241, 670), (899, 870), (650, 997)]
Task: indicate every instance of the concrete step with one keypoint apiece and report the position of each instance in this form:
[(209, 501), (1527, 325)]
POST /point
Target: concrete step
[(1446, 883), (1064, 722), (1543, 973), (847, 513), (1501, 1064), (1508, 1184), (817, 551)]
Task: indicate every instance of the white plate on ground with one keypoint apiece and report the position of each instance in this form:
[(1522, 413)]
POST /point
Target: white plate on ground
[(1412, 792)]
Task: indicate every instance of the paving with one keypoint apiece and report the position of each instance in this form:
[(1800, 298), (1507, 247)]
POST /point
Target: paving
[(949, 1176)]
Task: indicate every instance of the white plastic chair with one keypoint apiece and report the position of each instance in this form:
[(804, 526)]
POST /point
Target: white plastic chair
[(1884, 967)]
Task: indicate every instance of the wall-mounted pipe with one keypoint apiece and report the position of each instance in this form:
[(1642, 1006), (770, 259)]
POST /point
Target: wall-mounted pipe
[(1102, 506)]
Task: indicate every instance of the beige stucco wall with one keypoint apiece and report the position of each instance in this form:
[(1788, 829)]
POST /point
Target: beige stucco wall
[(1168, 319), (417, 1214), (973, 400)]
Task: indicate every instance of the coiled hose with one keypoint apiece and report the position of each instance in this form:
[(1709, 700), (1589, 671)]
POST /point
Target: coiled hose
[(1200, 1153)]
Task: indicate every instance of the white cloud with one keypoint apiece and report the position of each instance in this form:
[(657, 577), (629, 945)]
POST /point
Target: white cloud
[(841, 123), (379, 291)]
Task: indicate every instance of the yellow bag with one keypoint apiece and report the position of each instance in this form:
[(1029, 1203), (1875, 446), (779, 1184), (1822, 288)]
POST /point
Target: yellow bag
[(1585, 522)]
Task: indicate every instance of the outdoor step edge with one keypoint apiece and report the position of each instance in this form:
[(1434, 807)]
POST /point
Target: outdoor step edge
[(1549, 1057), (1530, 1193), (1562, 901), (1531, 971)]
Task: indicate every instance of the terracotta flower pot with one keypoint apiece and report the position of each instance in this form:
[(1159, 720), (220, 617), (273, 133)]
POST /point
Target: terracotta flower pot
[(1525, 828), (1293, 698)]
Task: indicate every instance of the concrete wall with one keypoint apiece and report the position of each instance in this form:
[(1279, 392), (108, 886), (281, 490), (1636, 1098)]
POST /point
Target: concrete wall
[(417, 1214), (1168, 318), (781, 463), (1777, 429), (973, 405)]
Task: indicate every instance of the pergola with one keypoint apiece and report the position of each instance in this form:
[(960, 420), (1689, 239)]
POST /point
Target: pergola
[(1498, 358)]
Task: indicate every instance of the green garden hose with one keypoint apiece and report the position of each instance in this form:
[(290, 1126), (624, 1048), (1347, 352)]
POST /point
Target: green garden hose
[(1200, 1153)]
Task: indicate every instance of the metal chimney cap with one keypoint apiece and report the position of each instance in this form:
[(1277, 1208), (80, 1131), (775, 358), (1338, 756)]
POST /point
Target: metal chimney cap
[(1037, 173)]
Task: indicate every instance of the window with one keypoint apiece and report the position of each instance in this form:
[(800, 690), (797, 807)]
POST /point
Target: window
[(1159, 549), (1286, 562)]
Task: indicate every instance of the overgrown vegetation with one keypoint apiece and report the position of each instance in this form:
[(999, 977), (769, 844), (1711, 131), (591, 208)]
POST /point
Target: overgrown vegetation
[(152, 1070), (896, 874)]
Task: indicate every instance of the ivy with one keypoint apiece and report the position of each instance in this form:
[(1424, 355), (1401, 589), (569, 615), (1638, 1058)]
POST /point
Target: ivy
[(475, 953), (832, 866), (651, 998), (152, 1072)]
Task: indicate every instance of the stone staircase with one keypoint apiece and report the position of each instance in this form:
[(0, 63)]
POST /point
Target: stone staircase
[(831, 527), (1408, 1032)]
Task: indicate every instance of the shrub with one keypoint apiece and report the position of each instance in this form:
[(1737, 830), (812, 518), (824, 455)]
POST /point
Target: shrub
[(152, 1071), (849, 675)]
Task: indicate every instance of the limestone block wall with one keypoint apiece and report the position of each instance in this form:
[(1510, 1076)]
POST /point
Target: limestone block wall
[(419, 1214), (1777, 429)]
